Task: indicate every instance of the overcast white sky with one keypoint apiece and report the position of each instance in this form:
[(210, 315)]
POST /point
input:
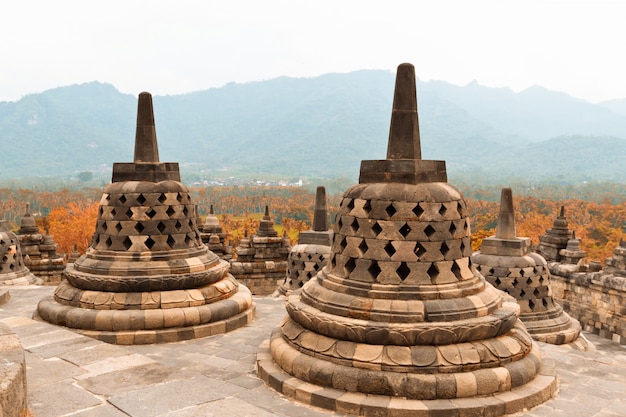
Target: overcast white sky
[(168, 47)]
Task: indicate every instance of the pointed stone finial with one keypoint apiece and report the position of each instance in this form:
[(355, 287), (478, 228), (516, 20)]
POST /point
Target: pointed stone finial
[(404, 133), (562, 212), (506, 219), (27, 209), (320, 217), (146, 149), (211, 209), (266, 216)]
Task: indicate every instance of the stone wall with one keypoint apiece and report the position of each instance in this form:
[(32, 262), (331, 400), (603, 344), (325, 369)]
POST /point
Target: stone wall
[(596, 299), (12, 375)]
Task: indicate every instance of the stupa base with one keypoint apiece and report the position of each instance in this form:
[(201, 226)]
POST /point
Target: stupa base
[(19, 278), (533, 393), (137, 327)]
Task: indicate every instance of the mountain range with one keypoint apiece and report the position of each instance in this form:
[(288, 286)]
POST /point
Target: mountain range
[(320, 127)]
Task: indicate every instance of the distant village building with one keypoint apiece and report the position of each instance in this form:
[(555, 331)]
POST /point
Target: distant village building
[(40, 251), (261, 262), (147, 277)]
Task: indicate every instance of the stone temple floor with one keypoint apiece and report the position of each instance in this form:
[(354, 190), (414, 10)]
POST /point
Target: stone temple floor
[(73, 375)]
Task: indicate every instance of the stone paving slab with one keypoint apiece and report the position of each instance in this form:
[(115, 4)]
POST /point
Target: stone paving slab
[(73, 375)]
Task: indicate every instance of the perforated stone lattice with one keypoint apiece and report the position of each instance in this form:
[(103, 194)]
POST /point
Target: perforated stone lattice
[(392, 242), (146, 222), (12, 260), (302, 266)]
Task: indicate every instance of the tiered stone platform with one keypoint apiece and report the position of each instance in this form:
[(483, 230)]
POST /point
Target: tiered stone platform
[(147, 277), (397, 322)]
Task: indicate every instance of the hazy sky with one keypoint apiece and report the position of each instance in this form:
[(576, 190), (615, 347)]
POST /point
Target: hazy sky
[(168, 47)]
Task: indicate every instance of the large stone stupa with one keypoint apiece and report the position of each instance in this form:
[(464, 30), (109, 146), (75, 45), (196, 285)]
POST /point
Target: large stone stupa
[(507, 262), (397, 323), (147, 277)]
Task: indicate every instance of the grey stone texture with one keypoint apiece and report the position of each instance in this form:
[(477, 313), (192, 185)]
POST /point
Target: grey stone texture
[(13, 389), (147, 277), (311, 253), (506, 261), (39, 251), (261, 260), (13, 271), (213, 236), (397, 323)]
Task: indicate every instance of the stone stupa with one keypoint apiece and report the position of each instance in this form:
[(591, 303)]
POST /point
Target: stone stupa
[(507, 262), (397, 323), (261, 262), (311, 253), (555, 239), (39, 250), (147, 277), (212, 235), (13, 271)]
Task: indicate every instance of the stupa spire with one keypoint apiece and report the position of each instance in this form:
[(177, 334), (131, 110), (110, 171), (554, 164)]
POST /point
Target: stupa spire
[(404, 133), (320, 217), (146, 148), (506, 219)]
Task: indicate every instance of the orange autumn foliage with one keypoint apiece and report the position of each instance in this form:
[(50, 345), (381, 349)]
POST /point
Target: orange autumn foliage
[(72, 224)]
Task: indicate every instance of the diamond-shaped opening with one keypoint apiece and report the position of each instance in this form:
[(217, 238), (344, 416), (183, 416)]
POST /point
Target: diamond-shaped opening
[(139, 227), (170, 241), (179, 197), (419, 250), (350, 265), (104, 226), (113, 212), (536, 292), (391, 210), (118, 227), (108, 242), (405, 230), (374, 270), (465, 225), (418, 210), (545, 303), (452, 228), (529, 281), (456, 270), (541, 279), (333, 262), (188, 241), (161, 227), (444, 249), (354, 225), (151, 213), (100, 212), (122, 199), (390, 249), (309, 257), (460, 208), (363, 247), (162, 198), (433, 272), (339, 223), (107, 197), (429, 231), (5, 259), (149, 242), (343, 243), (129, 213), (141, 199), (522, 293), (462, 247), (178, 225), (376, 229), (350, 205), (521, 272), (531, 304), (170, 211), (442, 210), (96, 239), (497, 282), (403, 271), (367, 207), (185, 211), (515, 283), (127, 243), (12, 267)]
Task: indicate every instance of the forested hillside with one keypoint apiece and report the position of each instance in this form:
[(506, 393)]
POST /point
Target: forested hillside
[(318, 127)]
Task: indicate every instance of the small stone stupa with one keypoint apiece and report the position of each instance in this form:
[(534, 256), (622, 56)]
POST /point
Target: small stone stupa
[(555, 239), (616, 264), (261, 262), (507, 262), (311, 253), (397, 323), (13, 271), (214, 237), (147, 277), (39, 251)]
